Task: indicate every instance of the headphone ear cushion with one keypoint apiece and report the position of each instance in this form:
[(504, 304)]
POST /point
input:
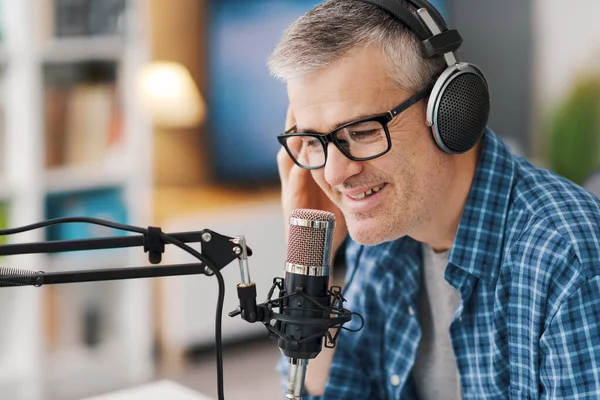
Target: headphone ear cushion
[(461, 112)]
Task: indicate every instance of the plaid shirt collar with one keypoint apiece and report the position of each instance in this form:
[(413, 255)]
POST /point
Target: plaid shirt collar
[(477, 248)]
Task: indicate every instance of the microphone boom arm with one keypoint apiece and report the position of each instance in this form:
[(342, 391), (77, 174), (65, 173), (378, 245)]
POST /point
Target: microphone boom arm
[(219, 250)]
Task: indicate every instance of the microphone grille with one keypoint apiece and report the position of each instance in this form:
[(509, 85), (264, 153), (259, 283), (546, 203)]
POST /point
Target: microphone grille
[(309, 242)]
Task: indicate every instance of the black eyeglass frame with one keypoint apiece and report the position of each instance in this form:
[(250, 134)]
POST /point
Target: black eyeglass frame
[(384, 119)]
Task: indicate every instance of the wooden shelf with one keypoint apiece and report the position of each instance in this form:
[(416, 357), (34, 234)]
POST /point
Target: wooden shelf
[(87, 48), (76, 178), (176, 201)]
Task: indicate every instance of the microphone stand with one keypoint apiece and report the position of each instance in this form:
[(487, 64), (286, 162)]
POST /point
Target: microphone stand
[(217, 252)]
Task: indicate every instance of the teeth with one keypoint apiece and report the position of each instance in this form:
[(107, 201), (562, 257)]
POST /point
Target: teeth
[(367, 193)]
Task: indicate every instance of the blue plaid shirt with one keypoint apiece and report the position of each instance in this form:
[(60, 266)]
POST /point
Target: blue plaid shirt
[(526, 260)]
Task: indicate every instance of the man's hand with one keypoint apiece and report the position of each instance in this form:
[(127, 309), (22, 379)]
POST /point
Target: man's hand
[(299, 190)]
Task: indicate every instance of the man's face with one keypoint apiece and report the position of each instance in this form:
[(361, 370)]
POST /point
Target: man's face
[(393, 195)]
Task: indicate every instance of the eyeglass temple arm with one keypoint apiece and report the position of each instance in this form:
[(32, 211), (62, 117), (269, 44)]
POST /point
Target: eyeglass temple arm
[(411, 101), (397, 110)]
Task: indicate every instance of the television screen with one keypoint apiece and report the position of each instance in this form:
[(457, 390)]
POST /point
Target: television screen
[(440, 5), (247, 106)]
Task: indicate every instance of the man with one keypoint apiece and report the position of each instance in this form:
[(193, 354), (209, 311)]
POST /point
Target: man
[(477, 273)]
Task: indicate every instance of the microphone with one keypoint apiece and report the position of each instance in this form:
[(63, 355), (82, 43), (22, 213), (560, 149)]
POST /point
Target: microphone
[(307, 269), (307, 308)]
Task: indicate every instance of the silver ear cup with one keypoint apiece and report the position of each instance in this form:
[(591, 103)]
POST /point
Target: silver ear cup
[(459, 108)]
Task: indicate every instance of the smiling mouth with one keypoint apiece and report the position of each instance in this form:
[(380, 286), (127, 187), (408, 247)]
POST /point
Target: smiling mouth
[(368, 193)]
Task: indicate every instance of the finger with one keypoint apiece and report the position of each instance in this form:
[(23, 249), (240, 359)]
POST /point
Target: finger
[(290, 119), (284, 165)]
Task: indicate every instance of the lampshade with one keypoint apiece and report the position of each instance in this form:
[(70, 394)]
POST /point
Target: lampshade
[(169, 94)]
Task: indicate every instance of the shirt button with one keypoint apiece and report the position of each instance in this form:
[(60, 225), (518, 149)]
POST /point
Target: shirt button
[(411, 311), (395, 380)]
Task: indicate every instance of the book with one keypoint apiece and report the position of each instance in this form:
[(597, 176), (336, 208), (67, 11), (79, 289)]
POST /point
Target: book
[(55, 112), (89, 17), (89, 117), (70, 17), (83, 116), (106, 17), (83, 124), (107, 203)]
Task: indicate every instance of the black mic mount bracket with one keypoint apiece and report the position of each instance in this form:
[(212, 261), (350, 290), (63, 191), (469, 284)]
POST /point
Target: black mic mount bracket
[(252, 312)]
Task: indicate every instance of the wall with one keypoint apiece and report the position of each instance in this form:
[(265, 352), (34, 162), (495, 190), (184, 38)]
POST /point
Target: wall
[(567, 43), (498, 38), (567, 37), (178, 35)]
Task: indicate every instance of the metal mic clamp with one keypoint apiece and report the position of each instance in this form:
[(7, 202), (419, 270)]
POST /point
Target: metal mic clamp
[(246, 289)]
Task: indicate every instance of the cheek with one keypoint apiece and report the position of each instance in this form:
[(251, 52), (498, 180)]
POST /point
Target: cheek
[(401, 161), (319, 177), (416, 167), (433, 175)]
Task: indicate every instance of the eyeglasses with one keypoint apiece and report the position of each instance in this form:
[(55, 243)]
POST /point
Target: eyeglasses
[(361, 140)]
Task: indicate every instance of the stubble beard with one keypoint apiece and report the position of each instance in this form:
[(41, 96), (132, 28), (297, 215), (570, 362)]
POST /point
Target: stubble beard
[(381, 224)]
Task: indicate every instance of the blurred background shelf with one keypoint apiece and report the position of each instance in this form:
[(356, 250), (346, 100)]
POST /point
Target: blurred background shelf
[(81, 178), (75, 142), (77, 49), (3, 54), (6, 192)]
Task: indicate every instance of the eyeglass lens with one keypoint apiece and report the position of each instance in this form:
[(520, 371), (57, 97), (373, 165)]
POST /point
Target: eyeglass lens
[(359, 141)]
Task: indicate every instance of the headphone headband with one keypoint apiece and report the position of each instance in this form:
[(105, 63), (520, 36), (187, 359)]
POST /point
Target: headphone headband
[(435, 14), (404, 15), (433, 43)]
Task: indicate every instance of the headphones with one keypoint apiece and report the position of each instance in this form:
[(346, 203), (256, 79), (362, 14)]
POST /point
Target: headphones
[(459, 103)]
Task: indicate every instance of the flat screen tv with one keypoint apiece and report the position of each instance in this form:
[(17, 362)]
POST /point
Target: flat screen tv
[(247, 106)]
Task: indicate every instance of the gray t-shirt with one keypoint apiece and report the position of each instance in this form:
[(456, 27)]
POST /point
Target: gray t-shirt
[(435, 373)]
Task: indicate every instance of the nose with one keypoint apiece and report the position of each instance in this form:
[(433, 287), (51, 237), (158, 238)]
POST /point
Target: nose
[(338, 167)]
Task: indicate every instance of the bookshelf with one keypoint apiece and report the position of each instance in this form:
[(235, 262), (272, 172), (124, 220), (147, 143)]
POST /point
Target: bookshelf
[(73, 140)]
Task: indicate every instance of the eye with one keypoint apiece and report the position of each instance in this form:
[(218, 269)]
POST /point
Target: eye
[(359, 136), (312, 143), (363, 133)]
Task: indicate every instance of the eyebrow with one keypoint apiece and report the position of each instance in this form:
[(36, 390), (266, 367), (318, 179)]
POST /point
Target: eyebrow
[(337, 125)]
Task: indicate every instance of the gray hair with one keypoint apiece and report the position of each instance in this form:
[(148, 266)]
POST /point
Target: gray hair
[(337, 27)]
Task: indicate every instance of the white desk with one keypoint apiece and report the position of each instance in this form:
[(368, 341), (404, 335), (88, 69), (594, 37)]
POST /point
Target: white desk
[(161, 390)]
